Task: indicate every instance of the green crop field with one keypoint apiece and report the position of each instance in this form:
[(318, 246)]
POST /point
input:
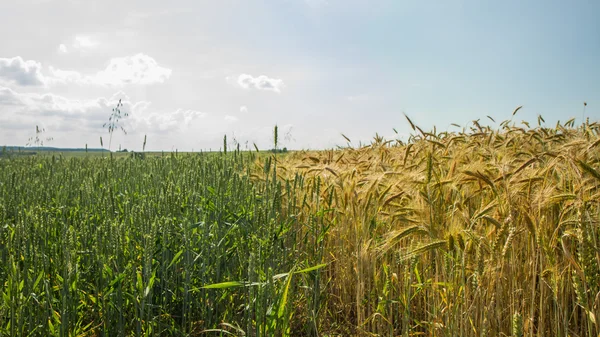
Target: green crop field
[(479, 232)]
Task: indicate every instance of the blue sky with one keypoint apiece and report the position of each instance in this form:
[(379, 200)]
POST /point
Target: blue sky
[(191, 71)]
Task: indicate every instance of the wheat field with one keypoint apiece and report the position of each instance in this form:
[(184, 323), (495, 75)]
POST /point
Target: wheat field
[(478, 232)]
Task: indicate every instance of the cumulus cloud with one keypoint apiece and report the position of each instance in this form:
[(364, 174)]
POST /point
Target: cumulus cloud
[(230, 118), (87, 114), (79, 42), (58, 76), (243, 109), (21, 72), (84, 42), (136, 69), (9, 97), (173, 121), (70, 112), (261, 82)]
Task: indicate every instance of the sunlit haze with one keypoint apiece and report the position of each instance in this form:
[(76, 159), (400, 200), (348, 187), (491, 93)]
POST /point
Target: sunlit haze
[(190, 72)]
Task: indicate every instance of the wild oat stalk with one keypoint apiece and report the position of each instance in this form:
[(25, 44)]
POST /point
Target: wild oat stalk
[(114, 122)]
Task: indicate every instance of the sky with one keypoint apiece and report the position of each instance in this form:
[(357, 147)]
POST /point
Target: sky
[(189, 72)]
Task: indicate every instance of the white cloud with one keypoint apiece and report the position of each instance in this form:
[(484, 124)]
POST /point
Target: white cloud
[(79, 42), (69, 113), (88, 114), (84, 42), (9, 97), (21, 72), (261, 82), (139, 68), (136, 69), (66, 76), (231, 118), (243, 109), (173, 121)]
